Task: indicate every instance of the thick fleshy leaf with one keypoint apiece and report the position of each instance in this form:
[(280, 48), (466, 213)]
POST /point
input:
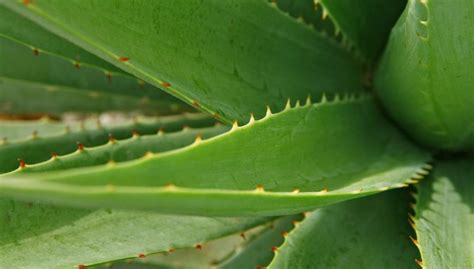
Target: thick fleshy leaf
[(20, 29), (227, 57), (38, 82), (124, 150), (364, 24), (444, 220), (39, 236), (425, 76), (40, 147), (226, 175), (312, 13), (260, 252), (252, 249), (11, 130), (371, 232)]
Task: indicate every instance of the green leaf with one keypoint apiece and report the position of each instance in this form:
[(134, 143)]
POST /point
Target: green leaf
[(252, 249), (312, 13), (39, 236), (425, 76), (225, 175), (259, 252), (444, 220), (47, 84), (20, 29), (11, 130), (365, 24), (366, 233), (125, 150), (226, 57), (38, 147)]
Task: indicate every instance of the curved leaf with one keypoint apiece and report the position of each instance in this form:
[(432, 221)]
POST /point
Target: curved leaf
[(39, 236), (310, 12), (260, 251), (366, 233), (11, 130), (226, 175), (47, 84), (124, 150), (364, 24), (444, 220), (226, 57), (425, 76), (39, 147), (20, 29)]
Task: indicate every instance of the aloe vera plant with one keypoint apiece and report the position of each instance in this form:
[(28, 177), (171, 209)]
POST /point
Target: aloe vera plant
[(331, 134)]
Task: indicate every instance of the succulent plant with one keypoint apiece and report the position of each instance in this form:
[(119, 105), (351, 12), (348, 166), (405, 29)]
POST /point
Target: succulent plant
[(331, 134)]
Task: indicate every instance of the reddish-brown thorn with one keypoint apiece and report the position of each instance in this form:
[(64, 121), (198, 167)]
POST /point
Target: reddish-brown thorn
[(123, 59), (243, 236), (109, 76), (260, 267), (81, 266), (413, 240), (26, 2), (165, 84), (196, 103), (284, 233), (22, 163), (420, 263), (171, 250), (54, 154), (274, 249), (111, 138), (141, 255), (198, 247), (35, 52), (135, 133), (80, 146), (77, 65)]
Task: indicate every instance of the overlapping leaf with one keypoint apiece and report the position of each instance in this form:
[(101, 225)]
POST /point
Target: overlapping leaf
[(38, 82), (364, 24), (19, 28), (366, 233), (444, 220), (226, 175), (46, 140), (425, 76), (38, 236), (227, 57)]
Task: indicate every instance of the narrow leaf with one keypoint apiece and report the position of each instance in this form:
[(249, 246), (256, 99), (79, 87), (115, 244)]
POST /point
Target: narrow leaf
[(228, 58), (366, 233), (33, 81), (444, 220), (38, 236), (364, 24), (256, 169), (40, 147)]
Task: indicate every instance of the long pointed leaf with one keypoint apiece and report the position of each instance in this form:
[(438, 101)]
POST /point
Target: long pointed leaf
[(444, 220), (367, 233), (227, 175), (227, 57), (44, 83), (38, 236), (40, 147)]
